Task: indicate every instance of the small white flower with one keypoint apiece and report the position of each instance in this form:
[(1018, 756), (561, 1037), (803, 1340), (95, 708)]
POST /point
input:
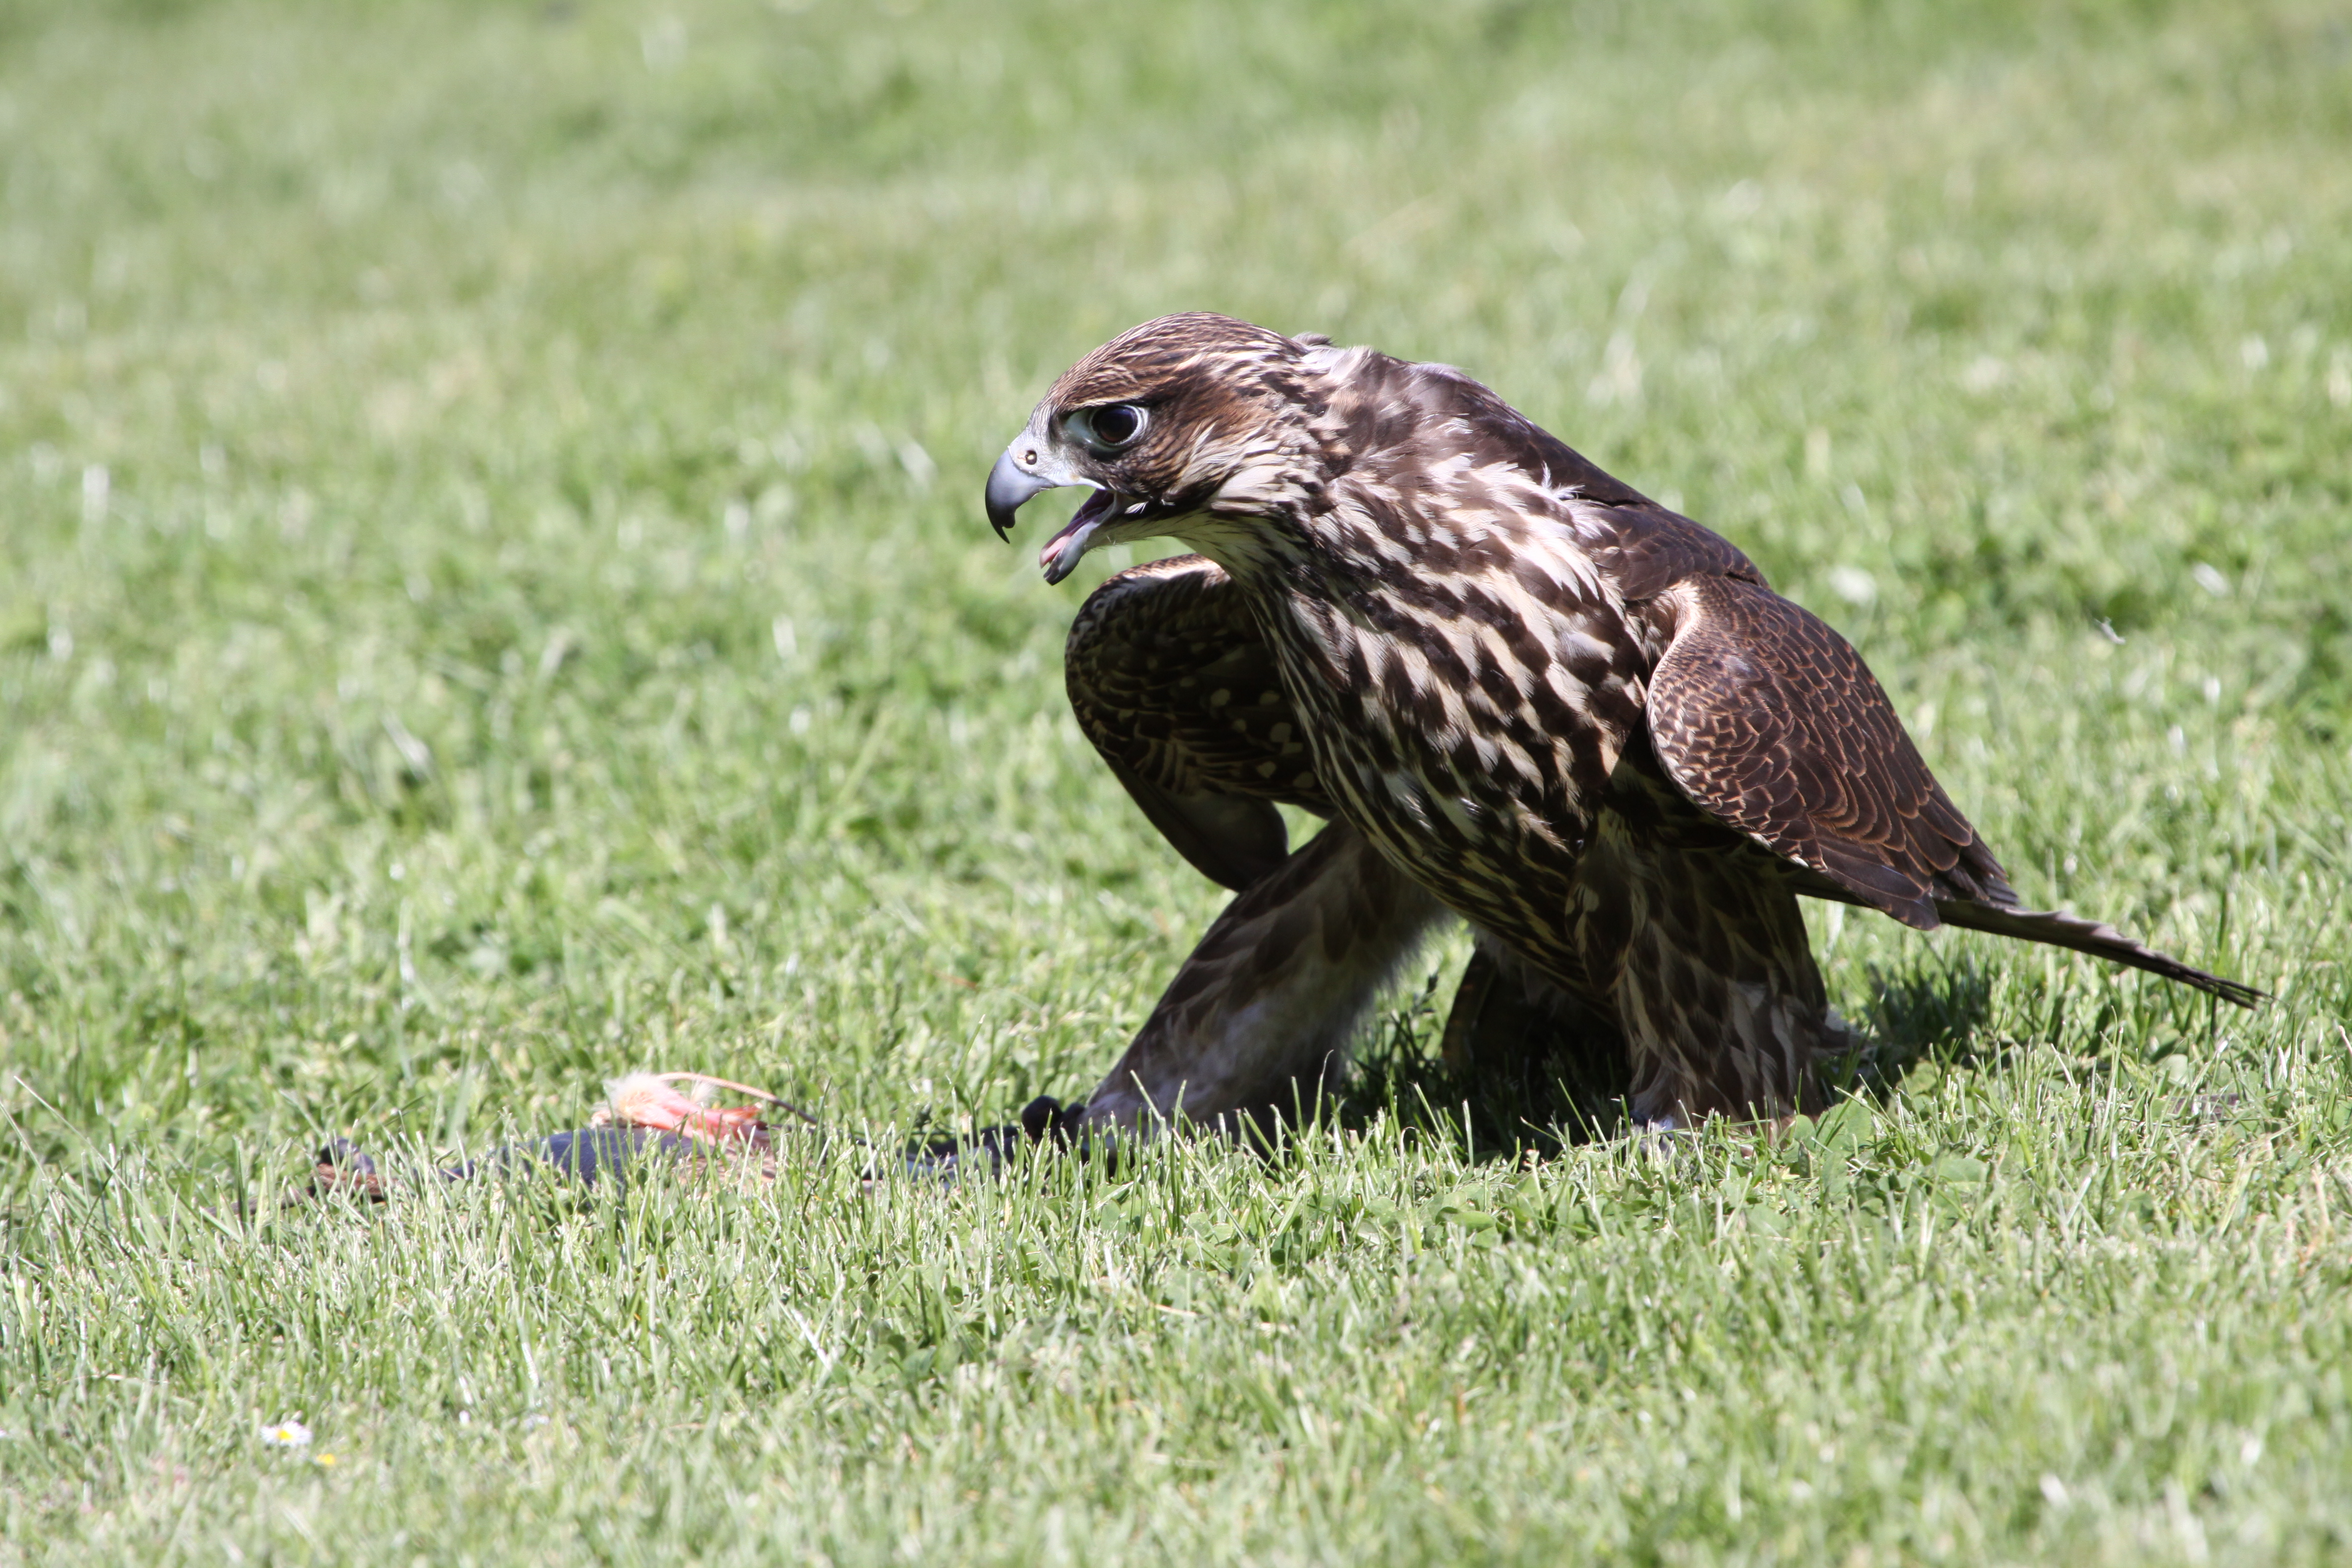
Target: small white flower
[(287, 1433)]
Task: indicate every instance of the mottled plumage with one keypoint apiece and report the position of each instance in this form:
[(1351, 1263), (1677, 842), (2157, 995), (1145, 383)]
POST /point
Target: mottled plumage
[(1580, 721), (1170, 680)]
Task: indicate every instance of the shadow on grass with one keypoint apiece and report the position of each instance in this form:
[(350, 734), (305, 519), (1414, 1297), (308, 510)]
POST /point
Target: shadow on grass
[(1538, 1083), (1930, 1012)]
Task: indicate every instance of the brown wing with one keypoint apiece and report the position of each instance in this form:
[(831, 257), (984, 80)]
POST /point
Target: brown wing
[(1170, 680), (1769, 719)]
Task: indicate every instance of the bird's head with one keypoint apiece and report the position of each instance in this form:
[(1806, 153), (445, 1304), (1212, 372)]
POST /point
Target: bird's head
[(1191, 426)]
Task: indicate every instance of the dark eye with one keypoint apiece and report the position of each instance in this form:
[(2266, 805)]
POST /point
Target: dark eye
[(1109, 427)]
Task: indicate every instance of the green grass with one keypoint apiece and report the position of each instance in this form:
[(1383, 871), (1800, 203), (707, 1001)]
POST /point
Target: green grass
[(493, 592)]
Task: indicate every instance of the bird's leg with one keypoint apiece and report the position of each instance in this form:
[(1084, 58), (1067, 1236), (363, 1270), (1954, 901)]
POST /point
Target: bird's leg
[(1544, 1058), (1262, 1010), (1709, 973)]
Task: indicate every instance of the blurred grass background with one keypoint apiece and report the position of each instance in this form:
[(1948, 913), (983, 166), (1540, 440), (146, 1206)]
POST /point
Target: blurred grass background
[(492, 593)]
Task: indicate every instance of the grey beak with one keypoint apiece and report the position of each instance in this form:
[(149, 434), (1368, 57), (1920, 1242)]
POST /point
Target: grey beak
[(1009, 485)]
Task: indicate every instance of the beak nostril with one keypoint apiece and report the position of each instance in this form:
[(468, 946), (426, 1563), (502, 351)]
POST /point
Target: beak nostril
[(1010, 484)]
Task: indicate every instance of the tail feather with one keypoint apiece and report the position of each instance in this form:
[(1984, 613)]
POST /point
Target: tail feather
[(2053, 927), (2061, 930)]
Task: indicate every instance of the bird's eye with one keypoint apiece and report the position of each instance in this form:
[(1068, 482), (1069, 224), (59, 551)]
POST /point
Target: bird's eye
[(1108, 428)]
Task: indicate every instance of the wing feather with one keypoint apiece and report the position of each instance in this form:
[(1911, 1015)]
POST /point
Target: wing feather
[(1765, 717), (1769, 719), (1170, 680)]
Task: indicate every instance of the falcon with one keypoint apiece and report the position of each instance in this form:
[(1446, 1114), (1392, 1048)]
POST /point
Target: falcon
[(1523, 693)]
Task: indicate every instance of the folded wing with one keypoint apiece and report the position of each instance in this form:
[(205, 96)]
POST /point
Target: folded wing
[(1769, 719), (1171, 681)]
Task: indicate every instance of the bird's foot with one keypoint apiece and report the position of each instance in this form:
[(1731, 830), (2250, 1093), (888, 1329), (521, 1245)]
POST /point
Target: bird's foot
[(1045, 1121)]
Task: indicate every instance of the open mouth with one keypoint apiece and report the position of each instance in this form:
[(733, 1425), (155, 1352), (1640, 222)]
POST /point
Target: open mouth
[(1060, 555)]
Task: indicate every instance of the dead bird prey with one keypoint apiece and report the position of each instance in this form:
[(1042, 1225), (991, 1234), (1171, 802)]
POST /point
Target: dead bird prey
[(1525, 693), (645, 1119), (646, 1122)]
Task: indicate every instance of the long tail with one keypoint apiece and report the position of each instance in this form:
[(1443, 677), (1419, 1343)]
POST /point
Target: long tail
[(2061, 930), (2054, 927)]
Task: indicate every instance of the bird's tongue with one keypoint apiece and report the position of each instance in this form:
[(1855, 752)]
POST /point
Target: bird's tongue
[(1060, 555)]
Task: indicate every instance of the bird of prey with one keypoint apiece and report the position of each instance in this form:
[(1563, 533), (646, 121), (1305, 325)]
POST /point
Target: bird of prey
[(1523, 692)]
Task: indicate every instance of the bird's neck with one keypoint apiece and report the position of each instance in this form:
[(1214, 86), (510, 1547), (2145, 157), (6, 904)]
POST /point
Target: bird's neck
[(1286, 520)]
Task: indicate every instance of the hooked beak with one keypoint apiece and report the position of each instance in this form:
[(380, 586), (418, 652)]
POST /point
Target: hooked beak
[(1012, 482)]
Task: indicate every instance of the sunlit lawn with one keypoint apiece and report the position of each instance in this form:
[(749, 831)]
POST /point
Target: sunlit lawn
[(493, 592)]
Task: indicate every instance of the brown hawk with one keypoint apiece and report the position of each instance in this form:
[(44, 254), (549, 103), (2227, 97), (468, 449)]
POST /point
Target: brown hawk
[(1524, 693)]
